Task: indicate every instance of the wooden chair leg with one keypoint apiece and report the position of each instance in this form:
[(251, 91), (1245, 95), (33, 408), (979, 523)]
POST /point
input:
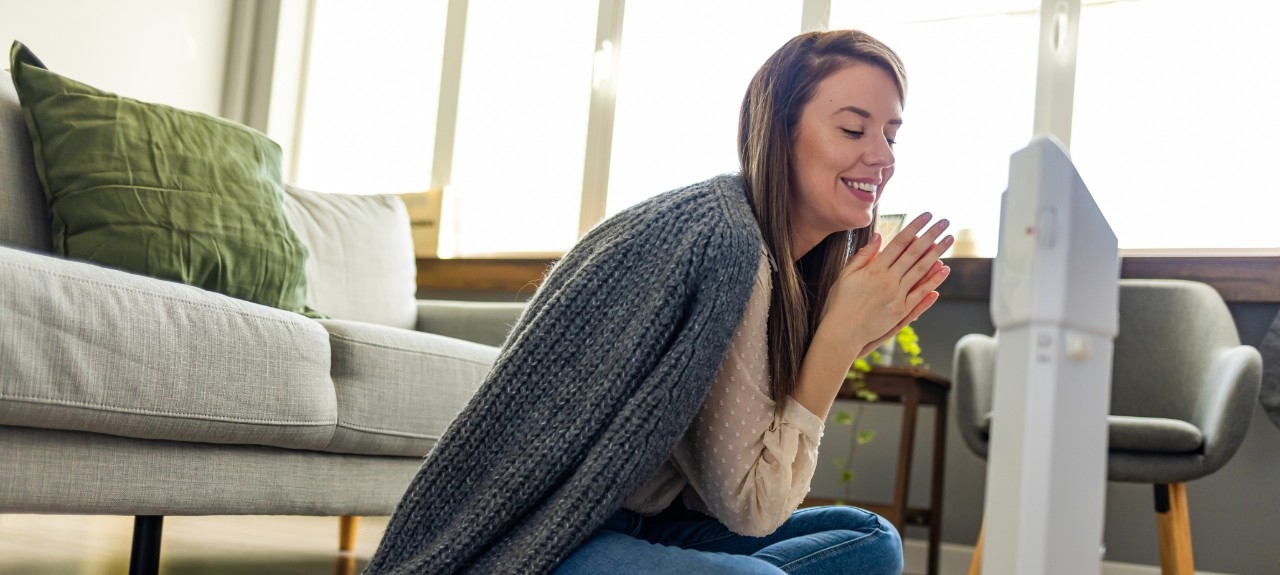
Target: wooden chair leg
[(1174, 526), (975, 565), (345, 565), (347, 527)]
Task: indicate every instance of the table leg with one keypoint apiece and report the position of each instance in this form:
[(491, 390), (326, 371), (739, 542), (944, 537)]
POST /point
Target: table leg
[(935, 485), (910, 404)]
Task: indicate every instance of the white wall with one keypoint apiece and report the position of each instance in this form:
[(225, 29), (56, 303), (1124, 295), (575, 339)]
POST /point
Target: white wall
[(165, 51)]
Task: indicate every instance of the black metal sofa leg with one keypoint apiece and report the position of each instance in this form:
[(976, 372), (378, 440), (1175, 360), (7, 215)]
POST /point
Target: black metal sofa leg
[(145, 559)]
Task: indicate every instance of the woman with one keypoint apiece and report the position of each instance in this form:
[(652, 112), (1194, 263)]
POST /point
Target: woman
[(658, 406)]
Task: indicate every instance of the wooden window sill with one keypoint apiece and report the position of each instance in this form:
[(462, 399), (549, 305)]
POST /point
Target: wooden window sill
[(1245, 279)]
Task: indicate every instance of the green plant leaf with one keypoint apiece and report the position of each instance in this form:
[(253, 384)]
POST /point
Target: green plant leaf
[(846, 476), (843, 418), (865, 437), (839, 463)]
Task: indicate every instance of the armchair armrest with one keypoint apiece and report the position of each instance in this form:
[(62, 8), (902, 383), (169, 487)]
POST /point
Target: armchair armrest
[(480, 322), (1226, 402), (973, 377)]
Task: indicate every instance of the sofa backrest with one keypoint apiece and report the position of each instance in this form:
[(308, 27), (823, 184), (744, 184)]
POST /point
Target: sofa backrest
[(361, 264), (24, 211)]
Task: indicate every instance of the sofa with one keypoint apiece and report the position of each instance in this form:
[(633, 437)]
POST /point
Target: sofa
[(122, 394)]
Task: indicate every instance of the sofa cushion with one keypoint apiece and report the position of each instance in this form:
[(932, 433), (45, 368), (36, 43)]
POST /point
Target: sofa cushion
[(169, 193), (362, 263), (398, 390), (24, 215), (94, 349)]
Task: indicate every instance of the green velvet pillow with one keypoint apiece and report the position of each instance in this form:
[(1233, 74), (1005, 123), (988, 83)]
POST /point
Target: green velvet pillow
[(168, 193)]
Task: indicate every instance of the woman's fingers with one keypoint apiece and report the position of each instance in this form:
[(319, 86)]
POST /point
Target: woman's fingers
[(900, 242), (928, 262), (923, 295), (926, 289), (924, 305), (865, 255), (917, 251), (921, 307)]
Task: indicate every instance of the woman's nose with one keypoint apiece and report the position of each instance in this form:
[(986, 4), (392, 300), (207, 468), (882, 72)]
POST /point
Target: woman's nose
[(881, 155)]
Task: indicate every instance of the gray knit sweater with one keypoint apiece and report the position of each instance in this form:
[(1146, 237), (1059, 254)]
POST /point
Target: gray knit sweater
[(595, 384)]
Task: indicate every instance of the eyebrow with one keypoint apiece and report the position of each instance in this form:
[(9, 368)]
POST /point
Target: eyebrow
[(865, 114)]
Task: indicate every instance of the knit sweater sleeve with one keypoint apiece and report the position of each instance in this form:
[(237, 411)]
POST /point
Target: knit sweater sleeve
[(749, 464)]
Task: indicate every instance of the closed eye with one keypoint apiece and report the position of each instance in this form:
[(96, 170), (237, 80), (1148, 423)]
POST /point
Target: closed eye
[(854, 134)]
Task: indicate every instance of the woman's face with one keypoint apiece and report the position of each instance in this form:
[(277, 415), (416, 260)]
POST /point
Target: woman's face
[(843, 153)]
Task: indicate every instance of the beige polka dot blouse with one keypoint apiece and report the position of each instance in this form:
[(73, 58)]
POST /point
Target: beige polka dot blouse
[(742, 461)]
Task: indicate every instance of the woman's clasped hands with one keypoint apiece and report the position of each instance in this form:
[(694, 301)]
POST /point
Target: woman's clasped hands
[(884, 288)]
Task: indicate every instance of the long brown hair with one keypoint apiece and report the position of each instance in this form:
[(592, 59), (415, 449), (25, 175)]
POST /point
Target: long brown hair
[(766, 137)]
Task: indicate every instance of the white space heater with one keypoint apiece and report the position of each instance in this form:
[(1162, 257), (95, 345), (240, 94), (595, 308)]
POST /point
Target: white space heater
[(1054, 301)]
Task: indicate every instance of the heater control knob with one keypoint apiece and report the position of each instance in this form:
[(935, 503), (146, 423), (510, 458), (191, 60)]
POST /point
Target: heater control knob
[(1078, 347)]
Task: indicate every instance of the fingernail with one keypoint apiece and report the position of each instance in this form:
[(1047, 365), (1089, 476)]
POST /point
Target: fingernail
[(948, 239), (944, 223)]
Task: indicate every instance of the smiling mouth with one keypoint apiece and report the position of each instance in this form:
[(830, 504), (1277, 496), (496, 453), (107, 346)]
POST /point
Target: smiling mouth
[(862, 186)]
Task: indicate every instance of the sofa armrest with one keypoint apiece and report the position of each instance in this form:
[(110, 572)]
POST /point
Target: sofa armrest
[(480, 322)]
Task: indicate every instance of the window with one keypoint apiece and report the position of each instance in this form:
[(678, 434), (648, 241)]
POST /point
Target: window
[(1174, 123), (681, 85), (1171, 119), (372, 84), (522, 126), (971, 81)]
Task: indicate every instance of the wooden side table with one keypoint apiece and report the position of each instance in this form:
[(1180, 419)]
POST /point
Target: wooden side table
[(911, 387)]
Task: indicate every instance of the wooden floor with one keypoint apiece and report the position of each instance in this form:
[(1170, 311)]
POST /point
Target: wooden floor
[(218, 545), (99, 545)]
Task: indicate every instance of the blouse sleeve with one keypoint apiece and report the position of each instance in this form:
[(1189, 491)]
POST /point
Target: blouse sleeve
[(749, 463)]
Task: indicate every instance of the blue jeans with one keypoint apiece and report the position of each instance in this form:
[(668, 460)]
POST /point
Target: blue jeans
[(816, 540)]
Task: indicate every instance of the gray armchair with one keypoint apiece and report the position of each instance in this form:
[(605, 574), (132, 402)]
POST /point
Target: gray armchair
[(1182, 393)]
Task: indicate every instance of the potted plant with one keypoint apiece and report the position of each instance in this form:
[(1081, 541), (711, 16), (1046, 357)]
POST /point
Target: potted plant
[(905, 342)]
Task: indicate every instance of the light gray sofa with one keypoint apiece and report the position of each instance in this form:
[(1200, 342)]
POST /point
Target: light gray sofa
[(126, 395)]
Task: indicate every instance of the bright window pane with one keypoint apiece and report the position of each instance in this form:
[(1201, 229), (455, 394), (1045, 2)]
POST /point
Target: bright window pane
[(1174, 124), (685, 67), (373, 85), (971, 75), (522, 126)]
